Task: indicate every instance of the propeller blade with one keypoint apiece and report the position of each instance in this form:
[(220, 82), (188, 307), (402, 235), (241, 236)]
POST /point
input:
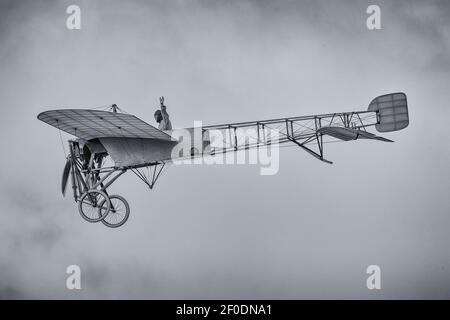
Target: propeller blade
[(65, 176)]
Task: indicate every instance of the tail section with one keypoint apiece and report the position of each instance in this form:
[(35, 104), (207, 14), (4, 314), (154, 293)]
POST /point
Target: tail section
[(392, 112)]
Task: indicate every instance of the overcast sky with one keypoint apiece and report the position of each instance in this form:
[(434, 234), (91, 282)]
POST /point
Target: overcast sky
[(225, 231)]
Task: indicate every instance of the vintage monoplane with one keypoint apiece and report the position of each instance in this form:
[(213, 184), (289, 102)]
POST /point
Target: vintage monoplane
[(133, 145)]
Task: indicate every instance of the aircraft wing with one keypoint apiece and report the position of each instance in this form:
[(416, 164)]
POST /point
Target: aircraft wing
[(92, 124)]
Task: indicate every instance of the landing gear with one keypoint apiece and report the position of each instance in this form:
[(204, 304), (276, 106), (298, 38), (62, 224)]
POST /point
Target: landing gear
[(91, 178), (90, 181), (112, 210), (118, 214), (95, 206), (90, 203)]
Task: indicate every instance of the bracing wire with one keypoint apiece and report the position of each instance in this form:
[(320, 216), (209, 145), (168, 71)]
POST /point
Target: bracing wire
[(61, 139)]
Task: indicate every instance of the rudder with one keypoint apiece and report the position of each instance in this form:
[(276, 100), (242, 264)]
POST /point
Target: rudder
[(392, 112)]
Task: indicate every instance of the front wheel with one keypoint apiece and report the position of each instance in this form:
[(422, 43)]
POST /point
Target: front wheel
[(89, 205), (118, 212)]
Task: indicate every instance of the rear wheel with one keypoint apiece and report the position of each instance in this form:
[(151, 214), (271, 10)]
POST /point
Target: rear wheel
[(89, 205), (118, 213)]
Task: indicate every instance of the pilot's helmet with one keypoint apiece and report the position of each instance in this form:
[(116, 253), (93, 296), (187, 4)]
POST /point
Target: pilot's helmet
[(158, 116)]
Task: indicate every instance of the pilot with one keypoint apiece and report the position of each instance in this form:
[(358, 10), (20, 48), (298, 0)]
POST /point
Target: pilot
[(162, 117)]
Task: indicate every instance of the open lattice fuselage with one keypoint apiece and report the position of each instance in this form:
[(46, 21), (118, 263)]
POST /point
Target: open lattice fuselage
[(303, 131)]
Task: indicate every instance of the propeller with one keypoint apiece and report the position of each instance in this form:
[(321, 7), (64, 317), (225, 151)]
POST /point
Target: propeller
[(65, 176)]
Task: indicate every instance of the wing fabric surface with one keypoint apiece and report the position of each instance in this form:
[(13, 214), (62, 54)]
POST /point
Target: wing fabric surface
[(92, 124)]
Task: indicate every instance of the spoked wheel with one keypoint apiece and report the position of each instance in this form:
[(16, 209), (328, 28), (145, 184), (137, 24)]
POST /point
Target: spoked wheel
[(89, 205), (118, 213)]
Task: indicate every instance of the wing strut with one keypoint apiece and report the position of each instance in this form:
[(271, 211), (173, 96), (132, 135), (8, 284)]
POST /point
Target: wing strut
[(151, 176)]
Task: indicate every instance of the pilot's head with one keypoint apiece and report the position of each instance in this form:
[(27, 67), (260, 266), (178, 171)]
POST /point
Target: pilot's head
[(158, 116)]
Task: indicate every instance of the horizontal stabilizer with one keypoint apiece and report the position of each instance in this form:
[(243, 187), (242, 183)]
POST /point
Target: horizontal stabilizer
[(368, 135), (347, 134)]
